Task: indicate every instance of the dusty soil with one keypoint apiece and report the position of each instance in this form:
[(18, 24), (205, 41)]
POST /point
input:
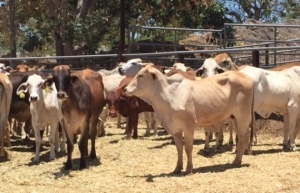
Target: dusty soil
[(146, 165)]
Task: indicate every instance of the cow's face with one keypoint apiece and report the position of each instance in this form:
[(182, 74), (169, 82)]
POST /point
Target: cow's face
[(113, 103), (180, 66), (5, 69), (22, 68), (33, 86), (61, 77), (144, 82), (132, 67), (209, 68)]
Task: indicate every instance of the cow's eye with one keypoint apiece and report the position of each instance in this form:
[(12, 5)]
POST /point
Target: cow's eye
[(140, 76)]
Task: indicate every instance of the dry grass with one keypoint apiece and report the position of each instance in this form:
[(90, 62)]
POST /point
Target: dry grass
[(145, 165)]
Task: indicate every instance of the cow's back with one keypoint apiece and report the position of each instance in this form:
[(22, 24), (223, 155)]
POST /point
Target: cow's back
[(222, 95)]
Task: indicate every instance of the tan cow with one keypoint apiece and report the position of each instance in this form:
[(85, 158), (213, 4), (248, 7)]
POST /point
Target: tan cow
[(6, 90), (182, 104)]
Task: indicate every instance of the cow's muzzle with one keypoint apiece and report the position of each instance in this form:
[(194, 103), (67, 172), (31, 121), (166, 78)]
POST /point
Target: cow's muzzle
[(62, 95), (121, 71), (113, 114), (33, 98)]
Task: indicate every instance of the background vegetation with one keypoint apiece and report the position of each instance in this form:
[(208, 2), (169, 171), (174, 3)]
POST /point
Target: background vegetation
[(72, 27)]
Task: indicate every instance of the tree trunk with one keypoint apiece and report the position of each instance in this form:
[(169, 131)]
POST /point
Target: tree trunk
[(13, 44)]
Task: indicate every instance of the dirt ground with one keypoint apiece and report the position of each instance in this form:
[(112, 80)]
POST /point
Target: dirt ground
[(146, 165)]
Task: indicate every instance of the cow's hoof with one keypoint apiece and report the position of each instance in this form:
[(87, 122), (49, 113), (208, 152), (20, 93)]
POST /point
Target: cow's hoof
[(217, 150), (236, 163), (134, 136), (231, 143), (188, 173), (82, 164), (147, 135), (286, 148), (68, 167)]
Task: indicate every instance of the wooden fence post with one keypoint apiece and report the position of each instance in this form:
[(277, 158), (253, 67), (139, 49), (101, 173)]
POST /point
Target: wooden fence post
[(255, 58)]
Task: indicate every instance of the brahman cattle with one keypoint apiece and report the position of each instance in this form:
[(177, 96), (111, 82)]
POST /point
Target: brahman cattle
[(111, 83), (6, 90), (182, 104), (277, 91), (5, 69), (129, 107), (19, 109), (45, 109), (83, 100)]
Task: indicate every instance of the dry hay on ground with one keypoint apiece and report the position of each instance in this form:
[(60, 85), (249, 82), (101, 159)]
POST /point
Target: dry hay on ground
[(145, 165)]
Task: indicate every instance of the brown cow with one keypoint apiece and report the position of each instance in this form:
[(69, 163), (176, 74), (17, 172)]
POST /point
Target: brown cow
[(285, 66), (83, 101), (22, 68), (128, 107)]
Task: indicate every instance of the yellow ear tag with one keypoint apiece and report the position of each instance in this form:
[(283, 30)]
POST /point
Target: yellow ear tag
[(198, 78), (22, 95), (104, 107), (47, 89)]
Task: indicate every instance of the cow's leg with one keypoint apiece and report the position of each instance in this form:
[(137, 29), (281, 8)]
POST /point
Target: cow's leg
[(207, 138), (52, 139), (2, 151), (285, 131), (127, 125), (70, 145), (179, 146), (218, 135), (93, 131), (154, 123), (230, 127), (132, 118), (135, 119), (64, 137), (147, 120), (293, 114), (38, 141), (296, 130), (188, 143), (7, 134), (243, 139), (83, 144), (119, 121)]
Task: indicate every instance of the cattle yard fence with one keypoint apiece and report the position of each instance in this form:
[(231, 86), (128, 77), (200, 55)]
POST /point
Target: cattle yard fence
[(262, 53)]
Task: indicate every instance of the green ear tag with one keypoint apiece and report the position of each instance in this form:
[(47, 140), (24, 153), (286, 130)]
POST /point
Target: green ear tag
[(198, 78), (22, 95), (47, 89)]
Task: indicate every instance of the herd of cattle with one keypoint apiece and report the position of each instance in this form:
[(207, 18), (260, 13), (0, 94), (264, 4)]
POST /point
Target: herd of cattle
[(70, 102)]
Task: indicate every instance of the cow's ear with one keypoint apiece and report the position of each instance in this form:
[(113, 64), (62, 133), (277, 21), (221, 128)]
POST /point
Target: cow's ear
[(199, 72), (22, 88), (153, 75), (220, 70), (73, 77), (8, 69), (48, 82)]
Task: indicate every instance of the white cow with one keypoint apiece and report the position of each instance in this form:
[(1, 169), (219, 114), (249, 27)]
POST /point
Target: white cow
[(6, 90), (45, 109), (277, 91), (182, 104), (180, 66), (132, 67), (5, 69)]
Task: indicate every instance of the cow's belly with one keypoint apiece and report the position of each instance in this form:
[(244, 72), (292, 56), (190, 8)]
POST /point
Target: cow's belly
[(74, 120)]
